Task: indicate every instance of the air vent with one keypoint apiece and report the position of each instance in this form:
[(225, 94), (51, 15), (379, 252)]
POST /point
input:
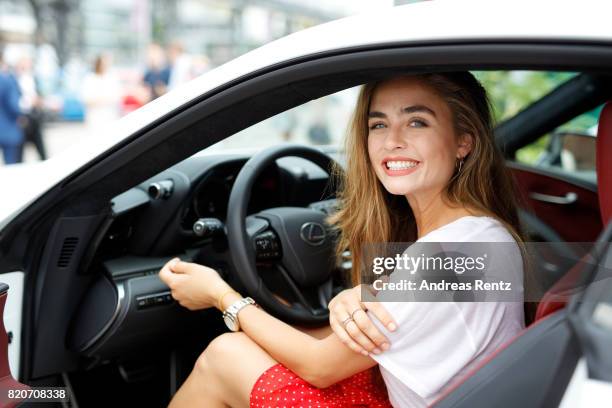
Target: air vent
[(70, 244)]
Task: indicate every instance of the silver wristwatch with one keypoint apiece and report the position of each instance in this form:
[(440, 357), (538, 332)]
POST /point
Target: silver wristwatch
[(230, 315)]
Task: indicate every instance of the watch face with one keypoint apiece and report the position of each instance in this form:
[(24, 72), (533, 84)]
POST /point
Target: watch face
[(230, 322)]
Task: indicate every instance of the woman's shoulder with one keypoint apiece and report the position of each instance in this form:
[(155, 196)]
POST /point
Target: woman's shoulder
[(476, 228)]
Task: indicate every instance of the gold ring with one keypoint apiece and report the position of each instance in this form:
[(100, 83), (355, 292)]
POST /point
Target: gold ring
[(345, 321)]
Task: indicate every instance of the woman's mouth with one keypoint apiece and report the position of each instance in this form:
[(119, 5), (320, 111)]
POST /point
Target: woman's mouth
[(400, 167)]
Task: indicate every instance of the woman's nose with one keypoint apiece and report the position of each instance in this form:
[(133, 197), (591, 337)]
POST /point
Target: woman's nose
[(394, 139)]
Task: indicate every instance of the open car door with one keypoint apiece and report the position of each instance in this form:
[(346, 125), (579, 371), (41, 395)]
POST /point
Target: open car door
[(7, 382)]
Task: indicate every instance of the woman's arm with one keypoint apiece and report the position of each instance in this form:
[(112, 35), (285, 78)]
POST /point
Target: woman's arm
[(321, 362), (316, 332)]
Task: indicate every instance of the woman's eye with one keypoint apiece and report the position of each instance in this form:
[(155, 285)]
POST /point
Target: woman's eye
[(377, 126), (417, 123)]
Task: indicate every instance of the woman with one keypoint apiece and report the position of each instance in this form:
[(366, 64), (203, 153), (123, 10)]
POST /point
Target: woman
[(101, 92), (422, 164)]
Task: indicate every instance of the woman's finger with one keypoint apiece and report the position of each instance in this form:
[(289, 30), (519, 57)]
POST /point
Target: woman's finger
[(165, 274), (358, 336), (382, 314), (342, 334), (367, 326), (346, 307), (355, 310), (178, 266)]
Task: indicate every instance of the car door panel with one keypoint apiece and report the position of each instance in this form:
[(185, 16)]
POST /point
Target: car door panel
[(567, 205)]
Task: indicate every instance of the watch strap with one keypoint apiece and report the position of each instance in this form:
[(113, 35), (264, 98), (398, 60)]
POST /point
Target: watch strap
[(235, 307), (232, 310)]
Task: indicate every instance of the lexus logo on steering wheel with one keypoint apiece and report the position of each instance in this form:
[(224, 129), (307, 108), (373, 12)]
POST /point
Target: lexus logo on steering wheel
[(313, 233)]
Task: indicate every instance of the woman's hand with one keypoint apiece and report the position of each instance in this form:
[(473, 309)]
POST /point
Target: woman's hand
[(359, 333), (193, 286)]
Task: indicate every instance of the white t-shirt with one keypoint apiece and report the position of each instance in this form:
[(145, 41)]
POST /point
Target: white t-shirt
[(436, 343)]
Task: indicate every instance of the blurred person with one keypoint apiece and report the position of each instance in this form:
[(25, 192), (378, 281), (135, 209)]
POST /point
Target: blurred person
[(11, 135), (31, 107), (179, 64), (135, 94), (101, 93), (199, 65), (285, 123), (318, 131), (157, 74)]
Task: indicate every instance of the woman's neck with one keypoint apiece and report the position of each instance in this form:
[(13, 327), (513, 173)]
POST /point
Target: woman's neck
[(433, 213)]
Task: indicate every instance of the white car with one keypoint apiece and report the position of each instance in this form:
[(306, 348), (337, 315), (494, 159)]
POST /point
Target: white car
[(83, 235)]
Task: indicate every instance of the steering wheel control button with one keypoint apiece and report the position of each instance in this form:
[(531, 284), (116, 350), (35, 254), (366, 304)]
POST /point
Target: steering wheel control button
[(155, 299), (267, 247), (161, 189), (207, 227)]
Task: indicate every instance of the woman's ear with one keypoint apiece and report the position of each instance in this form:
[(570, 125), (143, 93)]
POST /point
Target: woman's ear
[(464, 147)]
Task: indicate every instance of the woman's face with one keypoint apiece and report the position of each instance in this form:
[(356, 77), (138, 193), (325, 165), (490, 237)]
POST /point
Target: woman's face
[(411, 141)]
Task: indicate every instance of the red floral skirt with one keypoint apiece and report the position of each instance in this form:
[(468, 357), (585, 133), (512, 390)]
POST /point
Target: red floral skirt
[(280, 387)]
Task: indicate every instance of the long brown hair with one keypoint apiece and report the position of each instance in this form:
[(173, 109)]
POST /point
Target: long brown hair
[(368, 213)]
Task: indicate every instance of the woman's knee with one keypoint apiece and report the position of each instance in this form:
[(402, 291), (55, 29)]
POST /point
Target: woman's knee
[(221, 350), (230, 366)]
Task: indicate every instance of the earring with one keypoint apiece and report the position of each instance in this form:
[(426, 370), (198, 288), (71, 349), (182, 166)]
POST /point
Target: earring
[(460, 165)]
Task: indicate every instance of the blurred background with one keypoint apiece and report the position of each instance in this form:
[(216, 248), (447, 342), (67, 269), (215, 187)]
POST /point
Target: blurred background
[(80, 64)]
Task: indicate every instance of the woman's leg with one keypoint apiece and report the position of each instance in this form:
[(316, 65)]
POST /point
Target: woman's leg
[(224, 374)]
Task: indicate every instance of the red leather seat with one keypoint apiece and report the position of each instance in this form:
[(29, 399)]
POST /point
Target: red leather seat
[(603, 162), (557, 296), (562, 291)]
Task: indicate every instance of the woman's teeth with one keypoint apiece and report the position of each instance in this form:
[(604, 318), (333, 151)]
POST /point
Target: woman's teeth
[(400, 165)]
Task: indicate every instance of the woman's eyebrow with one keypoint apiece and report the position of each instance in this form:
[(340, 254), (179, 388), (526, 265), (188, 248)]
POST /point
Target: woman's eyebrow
[(419, 108), (407, 109)]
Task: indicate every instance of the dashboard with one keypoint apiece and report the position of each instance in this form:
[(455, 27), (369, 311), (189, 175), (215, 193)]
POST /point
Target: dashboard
[(145, 223), (211, 194), (127, 304)]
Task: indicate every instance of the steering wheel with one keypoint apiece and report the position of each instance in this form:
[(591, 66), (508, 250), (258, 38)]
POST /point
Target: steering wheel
[(296, 241)]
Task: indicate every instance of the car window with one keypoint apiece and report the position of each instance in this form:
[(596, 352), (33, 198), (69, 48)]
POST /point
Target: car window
[(570, 148), (324, 121), (512, 91), (321, 121)]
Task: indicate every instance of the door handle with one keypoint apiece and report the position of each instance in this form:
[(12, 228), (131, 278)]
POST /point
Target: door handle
[(568, 198)]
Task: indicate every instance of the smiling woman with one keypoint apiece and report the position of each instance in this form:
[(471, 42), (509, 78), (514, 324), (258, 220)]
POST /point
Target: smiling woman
[(403, 181)]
